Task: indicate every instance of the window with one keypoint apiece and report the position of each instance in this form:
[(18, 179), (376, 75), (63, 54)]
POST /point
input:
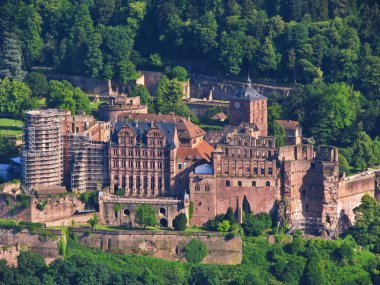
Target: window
[(207, 188), (255, 170), (197, 187), (307, 206), (127, 212), (253, 183), (262, 170), (240, 184), (270, 171), (180, 166), (267, 183), (227, 183)]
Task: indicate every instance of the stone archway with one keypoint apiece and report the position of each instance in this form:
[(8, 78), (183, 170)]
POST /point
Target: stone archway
[(163, 223)]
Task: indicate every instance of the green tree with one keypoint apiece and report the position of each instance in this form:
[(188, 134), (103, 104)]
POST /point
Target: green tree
[(11, 60), (93, 221), (268, 57), (205, 33), (331, 108), (168, 98), (205, 275), (179, 73), (224, 226), (142, 92), (231, 51), (362, 151), (126, 71), (155, 60), (146, 215), (230, 216), (15, 97), (195, 251), (279, 133), (63, 95), (254, 225), (180, 222), (38, 84), (366, 230), (31, 264)]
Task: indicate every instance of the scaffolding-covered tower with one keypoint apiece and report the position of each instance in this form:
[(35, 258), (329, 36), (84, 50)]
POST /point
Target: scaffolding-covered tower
[(43, 150)]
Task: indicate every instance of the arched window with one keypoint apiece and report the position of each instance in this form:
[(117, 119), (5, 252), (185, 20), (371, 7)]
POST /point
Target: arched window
[(126, 212), (197, 187), (228, 183), (267, 183), (239, 183), (253, 183), (207, 188)]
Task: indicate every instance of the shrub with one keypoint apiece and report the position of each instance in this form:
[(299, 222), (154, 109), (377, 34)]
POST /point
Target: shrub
[(224, 226), (254, 225), (180, 222), (146, 215), (120, 192), (195, 251), (93, 221), (41, 205)]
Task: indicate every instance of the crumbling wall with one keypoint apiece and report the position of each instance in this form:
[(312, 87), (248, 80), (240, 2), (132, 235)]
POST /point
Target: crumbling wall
[(330, 198), (168, 245), (349, 197), (56, 207), (47, 246)]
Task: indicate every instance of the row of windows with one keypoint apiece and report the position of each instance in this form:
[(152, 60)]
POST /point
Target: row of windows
[(198, 187), (255, 170), (247, 154), (138, 153), (253, 142), (144, 182), (240, 184), (139, 164)]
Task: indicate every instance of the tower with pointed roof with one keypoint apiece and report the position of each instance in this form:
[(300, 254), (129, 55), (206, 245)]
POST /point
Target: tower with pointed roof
[(249, 106)]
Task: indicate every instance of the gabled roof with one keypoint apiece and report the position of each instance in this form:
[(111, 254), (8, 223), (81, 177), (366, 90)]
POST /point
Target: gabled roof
[(186, 129), (202, 151), (249, 93), (220, 116), (142, 128), (288, 124)]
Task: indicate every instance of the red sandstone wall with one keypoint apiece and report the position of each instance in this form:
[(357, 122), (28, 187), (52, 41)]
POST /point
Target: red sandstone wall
[(208, 204), (163, 244), (303, 188), (56, 208), (351, 192)]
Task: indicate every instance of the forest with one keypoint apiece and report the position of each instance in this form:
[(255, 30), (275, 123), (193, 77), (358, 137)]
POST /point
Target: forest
[(328, 50)]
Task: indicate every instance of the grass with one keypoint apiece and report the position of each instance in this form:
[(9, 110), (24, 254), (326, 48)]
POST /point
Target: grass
[(10, 126), (42, 102), (95, 105)]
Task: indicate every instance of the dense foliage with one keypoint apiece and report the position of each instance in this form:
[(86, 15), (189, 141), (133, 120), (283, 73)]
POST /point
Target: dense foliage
[(195, 251), (301, 261), (146, 215), (298, 41), (180, 222)]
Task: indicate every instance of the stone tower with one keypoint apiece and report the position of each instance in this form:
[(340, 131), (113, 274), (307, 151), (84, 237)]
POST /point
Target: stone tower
[(249, 106)]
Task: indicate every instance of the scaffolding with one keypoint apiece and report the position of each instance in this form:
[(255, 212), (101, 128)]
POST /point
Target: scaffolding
[(88, 164), (43, 151)]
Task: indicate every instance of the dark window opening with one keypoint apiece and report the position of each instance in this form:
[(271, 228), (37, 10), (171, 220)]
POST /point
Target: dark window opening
[(240, 183), (267, 183), (228, 183)]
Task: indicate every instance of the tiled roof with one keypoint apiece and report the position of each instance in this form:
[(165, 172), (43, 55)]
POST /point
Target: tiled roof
[(141, 128), (288, 124), (250, 94), (220, 116), (186, 129), (202, 151)]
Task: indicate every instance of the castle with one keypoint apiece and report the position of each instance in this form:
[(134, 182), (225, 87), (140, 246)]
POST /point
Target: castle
[(172, 164)]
